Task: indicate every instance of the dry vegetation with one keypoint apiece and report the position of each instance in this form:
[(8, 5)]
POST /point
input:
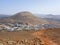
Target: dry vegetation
[(40, 37), (19, 38), (49, 36)]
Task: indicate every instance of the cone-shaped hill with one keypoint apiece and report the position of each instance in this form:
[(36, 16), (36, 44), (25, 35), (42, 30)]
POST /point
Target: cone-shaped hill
[(25, 17)]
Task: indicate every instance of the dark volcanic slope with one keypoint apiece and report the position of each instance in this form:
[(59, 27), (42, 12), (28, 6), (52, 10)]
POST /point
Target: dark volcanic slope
[(25, 17)]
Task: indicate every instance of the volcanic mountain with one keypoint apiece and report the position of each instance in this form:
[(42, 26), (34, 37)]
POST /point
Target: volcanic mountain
[(25, 17)]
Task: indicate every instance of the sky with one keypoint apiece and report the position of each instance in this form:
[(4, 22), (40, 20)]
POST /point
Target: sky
[(34, 6)]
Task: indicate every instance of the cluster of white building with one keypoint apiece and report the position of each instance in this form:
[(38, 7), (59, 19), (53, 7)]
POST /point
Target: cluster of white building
[(22, 26), (17, 27)]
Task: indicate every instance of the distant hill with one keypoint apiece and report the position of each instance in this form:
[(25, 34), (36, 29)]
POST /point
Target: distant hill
[(49, 17), (3, 16), (25, 17), (53, 18)]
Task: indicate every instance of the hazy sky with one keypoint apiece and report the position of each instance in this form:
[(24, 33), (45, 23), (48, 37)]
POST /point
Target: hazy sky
[(34, 6)]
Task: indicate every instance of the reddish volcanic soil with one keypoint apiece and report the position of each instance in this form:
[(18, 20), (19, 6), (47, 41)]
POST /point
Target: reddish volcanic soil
[(49, 36)]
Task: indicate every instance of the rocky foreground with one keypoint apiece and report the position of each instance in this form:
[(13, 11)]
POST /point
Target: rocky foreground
[(39, 37), (19, 38)]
